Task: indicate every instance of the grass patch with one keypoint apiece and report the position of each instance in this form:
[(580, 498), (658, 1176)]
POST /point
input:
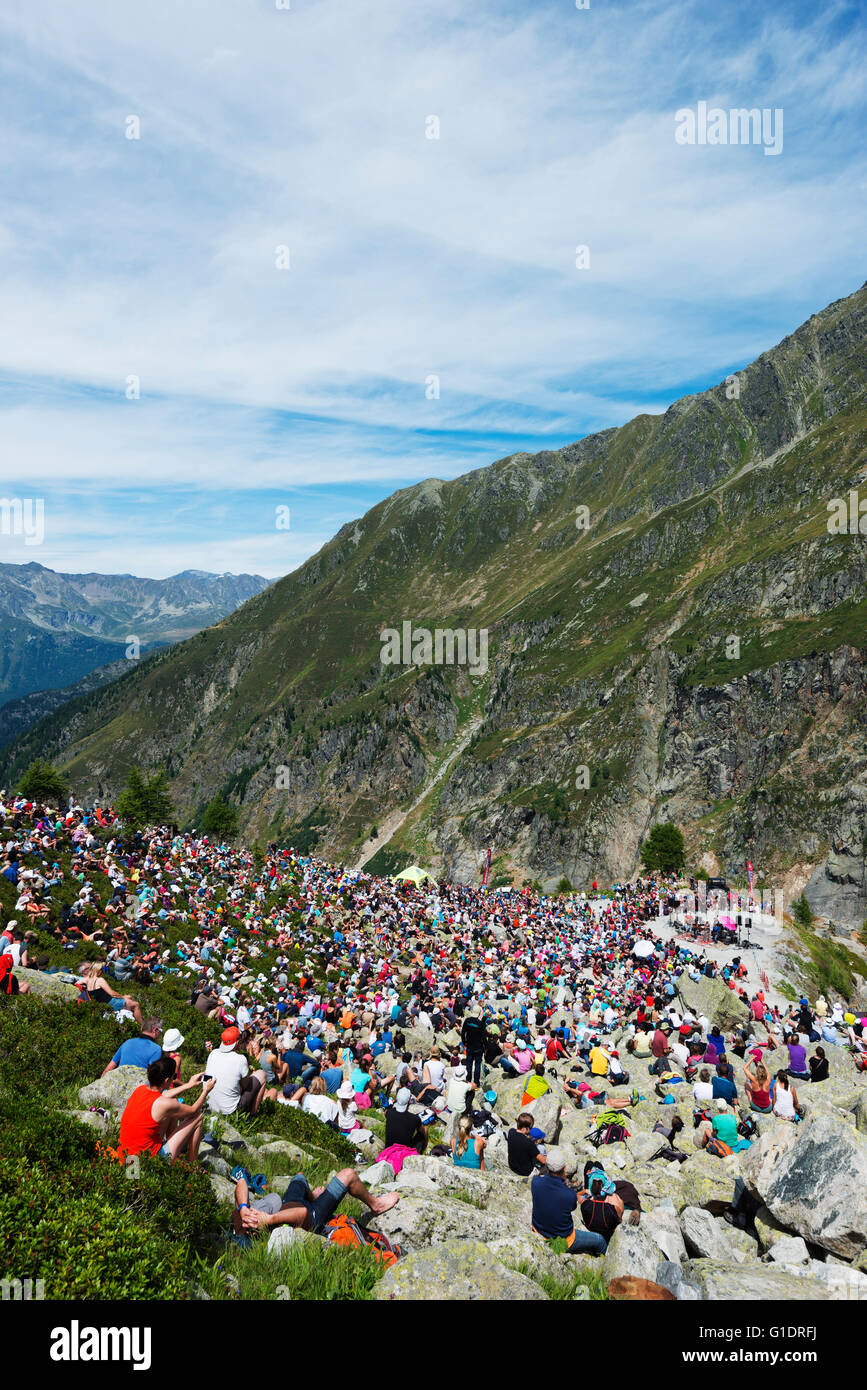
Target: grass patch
[(311, 1269), (565, 1287)]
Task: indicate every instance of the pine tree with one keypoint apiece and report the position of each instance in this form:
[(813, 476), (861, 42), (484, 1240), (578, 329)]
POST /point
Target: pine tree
[(42, 782), (664, 849)]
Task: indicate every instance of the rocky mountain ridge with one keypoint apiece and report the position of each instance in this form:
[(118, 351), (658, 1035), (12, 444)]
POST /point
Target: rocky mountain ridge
[(676, 631)]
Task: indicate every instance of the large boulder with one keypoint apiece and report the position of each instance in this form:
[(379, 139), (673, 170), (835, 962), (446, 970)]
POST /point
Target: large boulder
[(47, 987), (418, 1222), (752, 1282), (113, 1090), (454, 1271), (813, 1179), (546, 1115), (706, 1236), (790, 1250), (223, 1188), (663, 1227), (714, 999), (531, 1254), (631, 1251), (706, 1181)]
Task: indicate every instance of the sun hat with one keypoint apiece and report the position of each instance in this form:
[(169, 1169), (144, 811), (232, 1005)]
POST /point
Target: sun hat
[(556, 1160), (460, 1073), (172, 1040), (402, 1099), (346, 1091)]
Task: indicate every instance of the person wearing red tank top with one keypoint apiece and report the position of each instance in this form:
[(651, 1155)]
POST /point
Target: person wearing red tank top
[(154, 1120)]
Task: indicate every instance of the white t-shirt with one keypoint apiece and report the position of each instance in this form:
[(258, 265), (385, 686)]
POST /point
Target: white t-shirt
[(323, 1107), (703, 1090), (457, 1095), (228, 1070), (346, 1118), (436, 1071)]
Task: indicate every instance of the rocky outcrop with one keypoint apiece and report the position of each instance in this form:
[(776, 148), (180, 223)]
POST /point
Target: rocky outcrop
[(714, 1000), (456, 1271), (113, 1090), (813, 1179)]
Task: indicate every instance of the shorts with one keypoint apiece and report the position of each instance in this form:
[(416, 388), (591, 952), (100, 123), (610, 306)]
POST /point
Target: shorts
[(248, 1096), (321, 1208), (116, 1004)]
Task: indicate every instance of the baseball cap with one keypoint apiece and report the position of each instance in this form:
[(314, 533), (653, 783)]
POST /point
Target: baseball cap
[(228, 1038), (402, 1099)]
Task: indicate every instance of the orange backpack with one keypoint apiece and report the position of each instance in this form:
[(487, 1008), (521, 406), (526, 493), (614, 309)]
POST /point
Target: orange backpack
[(719, 1148), (342, 1230)]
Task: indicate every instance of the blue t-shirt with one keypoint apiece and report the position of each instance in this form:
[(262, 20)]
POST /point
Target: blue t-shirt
[(314, 1044), (553, 1205), (295, 1061), (137, 1052), (724, 1089), (333, 1077)]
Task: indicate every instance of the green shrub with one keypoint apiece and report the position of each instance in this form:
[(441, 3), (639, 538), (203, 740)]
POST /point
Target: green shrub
[(81, 1242), (48, 1049)]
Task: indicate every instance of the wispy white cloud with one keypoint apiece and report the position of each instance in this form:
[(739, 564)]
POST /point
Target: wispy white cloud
[(409, 256)]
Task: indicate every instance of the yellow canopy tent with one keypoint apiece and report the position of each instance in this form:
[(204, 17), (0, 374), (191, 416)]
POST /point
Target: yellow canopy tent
[(415, 874)]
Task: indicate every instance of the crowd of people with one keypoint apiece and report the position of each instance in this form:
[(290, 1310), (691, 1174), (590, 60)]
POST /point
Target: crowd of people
[(345, 994)]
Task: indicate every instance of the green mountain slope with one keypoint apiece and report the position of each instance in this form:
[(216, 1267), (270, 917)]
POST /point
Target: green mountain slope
[(698, 648)]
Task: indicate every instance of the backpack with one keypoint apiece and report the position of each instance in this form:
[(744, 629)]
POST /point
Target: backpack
[(610, 1133), (718, 1148), (747, 1127), (342, 1230)]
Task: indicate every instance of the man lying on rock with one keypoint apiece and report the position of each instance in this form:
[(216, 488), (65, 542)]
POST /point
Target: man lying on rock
[(298, 1206)]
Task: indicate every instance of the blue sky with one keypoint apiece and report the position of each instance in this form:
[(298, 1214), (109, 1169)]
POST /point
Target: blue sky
[(305, 387)]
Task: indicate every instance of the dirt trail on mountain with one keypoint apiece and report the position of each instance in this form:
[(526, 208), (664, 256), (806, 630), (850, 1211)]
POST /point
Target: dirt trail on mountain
[(395, 820)]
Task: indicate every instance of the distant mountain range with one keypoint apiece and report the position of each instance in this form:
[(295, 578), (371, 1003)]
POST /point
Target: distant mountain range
[(61, 634), (676, 624)]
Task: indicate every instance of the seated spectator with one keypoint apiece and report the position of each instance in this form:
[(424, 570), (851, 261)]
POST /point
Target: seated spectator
[(318, 1102), (459, 1094), (535, 1085), (554, 1201), (819, 1068), (95, 989), (757, 1087), (154, 1120), (403, 1126), (523, 1146), (237, 1090), (141, 1051), (9, 984), (723, 1084), (468, 1149)]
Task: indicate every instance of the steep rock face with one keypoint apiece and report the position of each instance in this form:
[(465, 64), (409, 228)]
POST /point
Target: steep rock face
[(673, 633)]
